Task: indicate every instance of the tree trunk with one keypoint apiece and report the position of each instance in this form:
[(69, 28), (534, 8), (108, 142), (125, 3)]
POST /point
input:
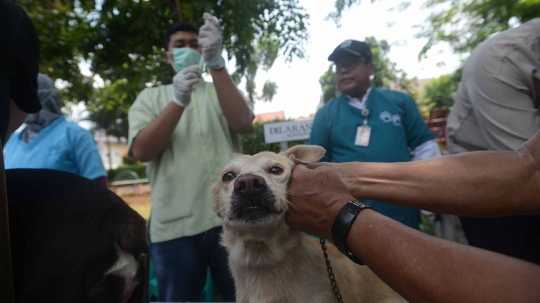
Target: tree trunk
[(179, 10)]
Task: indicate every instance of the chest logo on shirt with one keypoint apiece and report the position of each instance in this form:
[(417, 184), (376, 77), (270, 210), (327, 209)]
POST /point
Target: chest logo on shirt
[(387, 117), (55, 149)]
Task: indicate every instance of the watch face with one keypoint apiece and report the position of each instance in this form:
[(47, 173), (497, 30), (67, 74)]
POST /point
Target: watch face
[(351, 207), (354, 207), (357, 203)]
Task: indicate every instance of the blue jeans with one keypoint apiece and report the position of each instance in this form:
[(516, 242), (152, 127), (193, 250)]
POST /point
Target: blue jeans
[(181, 264)]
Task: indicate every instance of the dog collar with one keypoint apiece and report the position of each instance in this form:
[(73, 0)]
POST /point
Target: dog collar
[(342, 225)]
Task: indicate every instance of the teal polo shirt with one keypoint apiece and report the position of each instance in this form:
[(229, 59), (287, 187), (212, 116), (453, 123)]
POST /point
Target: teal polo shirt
[(397, 127)]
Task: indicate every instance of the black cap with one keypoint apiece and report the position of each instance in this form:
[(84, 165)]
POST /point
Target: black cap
[(19, 56), (351, 48)]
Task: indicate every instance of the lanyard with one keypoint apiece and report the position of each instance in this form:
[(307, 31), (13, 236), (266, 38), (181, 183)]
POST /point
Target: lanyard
[(358, 103), (365, 114), (365, 111)]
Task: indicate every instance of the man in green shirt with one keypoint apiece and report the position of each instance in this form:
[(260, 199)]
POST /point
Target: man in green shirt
[(369, 124), (187, 132)]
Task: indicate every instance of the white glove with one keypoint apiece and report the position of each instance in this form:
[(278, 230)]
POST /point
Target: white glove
[(183, 83), (210, 39)]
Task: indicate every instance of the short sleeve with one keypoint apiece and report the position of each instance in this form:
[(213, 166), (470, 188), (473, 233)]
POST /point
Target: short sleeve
[(140, 115), (320, 134), (86, 155), (415, 127)]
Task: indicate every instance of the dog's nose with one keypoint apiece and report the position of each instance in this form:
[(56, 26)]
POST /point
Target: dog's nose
[(249, 184)]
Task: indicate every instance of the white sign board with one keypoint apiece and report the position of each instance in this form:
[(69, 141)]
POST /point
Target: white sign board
[(287, 131)]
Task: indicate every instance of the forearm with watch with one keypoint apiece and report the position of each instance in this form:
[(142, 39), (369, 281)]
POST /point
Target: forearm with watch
[(419, 267), (426, 269), (342, 225), (231, 101)]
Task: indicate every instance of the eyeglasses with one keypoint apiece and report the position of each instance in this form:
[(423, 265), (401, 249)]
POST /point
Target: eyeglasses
[(350, 64)]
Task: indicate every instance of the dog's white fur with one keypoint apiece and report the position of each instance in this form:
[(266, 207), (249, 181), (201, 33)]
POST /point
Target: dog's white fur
[(272, 263), (125, 267)]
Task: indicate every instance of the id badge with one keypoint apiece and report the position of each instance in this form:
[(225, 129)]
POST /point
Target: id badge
[(363, 133)]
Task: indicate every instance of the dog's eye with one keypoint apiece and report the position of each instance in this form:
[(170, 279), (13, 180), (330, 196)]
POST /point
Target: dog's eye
[(228, 177), (276, 170)]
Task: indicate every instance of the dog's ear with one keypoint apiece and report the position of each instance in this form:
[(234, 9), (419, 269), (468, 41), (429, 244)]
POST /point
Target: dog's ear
[(304, 154)]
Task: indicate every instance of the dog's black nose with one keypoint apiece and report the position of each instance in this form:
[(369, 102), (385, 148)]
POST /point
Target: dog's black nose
[(249, 184)]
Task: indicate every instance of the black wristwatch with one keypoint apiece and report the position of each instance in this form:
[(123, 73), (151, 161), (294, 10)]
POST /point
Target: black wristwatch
[(342, 224)]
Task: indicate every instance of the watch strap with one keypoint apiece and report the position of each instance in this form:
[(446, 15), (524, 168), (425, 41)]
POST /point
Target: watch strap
[(342, 225)]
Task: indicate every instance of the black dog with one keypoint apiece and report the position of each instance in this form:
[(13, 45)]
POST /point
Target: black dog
[(73, 240)]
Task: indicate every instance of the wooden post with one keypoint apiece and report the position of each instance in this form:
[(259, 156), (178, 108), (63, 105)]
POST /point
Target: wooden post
[(179, 10)]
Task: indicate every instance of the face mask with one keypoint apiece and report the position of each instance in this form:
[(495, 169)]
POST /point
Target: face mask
[(184, 57)]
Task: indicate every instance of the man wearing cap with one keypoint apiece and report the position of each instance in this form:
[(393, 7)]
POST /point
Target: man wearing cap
[(370, 124)]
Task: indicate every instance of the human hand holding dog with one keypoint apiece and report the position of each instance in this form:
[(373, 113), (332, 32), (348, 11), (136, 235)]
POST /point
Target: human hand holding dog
[(316, 196), (349, 173)]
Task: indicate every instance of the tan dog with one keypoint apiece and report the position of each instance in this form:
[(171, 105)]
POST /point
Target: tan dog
[(269, 261)]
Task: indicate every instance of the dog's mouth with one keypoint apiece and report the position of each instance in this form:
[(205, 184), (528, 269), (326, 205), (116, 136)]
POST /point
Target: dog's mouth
[(253, 208)]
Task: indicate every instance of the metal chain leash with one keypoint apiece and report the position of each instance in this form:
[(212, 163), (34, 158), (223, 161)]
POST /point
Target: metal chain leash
[(335, 287)]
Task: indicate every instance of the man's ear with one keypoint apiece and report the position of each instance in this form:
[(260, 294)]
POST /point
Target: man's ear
[(166, 57), (371, 69), (304, 154)]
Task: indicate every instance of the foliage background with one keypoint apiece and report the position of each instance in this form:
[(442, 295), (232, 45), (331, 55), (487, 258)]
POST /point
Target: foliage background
[(122, 43), (462, 25)]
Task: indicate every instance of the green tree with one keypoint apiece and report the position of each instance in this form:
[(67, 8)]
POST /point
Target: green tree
[(109, 107), (269, 90), (328, 84), (441, 92), (464, 24), (123, 40), (108, 111), (387, 75), (264, 54), (341, 6)]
